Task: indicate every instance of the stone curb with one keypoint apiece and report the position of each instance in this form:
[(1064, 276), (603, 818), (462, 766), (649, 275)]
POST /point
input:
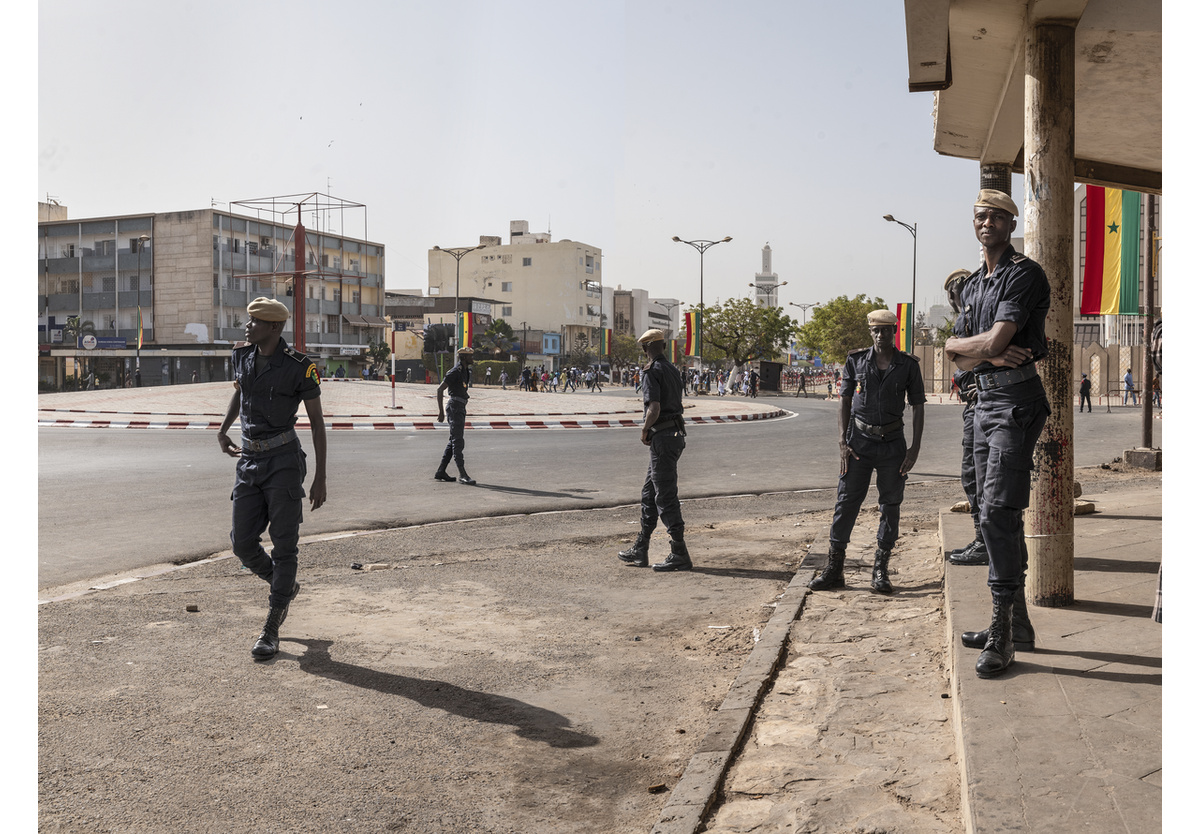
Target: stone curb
[(696, 790), (405, 425)]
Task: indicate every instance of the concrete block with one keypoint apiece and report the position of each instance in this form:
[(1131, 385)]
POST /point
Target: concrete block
[(1144, 458)]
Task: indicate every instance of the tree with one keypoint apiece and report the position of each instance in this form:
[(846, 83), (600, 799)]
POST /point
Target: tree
[(740, 330), (74, 328), (625, 351), (580, 353), (498, 338), (378, 352), (839, 326)]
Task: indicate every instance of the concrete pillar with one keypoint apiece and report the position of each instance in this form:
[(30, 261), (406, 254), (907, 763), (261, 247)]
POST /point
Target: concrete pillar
[(1049, 202)]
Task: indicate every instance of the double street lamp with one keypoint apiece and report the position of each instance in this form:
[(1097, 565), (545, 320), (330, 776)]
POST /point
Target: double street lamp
[(701, 246), (457, 253), (804, 308), (913, 230)]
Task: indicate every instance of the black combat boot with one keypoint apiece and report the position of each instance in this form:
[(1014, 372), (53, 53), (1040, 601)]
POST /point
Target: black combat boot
[(295, 593), (973, 554), (998, 651), (268, 641), (831, 577), (639, 554), (880, 583), (464, 478), (679, 558), (443, 475), (1022, 629)]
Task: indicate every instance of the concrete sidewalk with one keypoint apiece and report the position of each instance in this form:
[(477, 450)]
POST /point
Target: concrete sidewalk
[(1070, 738)]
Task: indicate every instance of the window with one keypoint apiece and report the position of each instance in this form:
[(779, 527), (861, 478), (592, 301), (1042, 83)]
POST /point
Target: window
[(526, 261), (506, 286), (506, 312), (109, 283)]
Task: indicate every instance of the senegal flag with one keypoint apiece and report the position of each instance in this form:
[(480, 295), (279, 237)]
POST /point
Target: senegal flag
[(904, 327), (1110, 258), (690, 345), (605, 341), (466, 329)]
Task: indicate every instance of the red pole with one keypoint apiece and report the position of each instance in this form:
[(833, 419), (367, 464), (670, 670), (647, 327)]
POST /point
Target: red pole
[(298, 317)]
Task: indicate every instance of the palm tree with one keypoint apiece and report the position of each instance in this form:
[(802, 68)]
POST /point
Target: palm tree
[(74, 328)]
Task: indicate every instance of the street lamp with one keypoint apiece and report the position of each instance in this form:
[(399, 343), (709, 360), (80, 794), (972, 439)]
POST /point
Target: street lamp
[(457, 253), (701, 246), (913, 230), (804, 308), (771, 289), (137, 366)]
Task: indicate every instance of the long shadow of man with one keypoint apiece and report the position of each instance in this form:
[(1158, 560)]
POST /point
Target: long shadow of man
[(533, 723)]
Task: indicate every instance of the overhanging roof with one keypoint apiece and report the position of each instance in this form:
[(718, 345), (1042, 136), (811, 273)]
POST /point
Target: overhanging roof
[(971, 53)]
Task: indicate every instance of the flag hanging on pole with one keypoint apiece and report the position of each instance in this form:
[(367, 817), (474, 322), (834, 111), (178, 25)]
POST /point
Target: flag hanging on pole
[(606, 341), (674, 351), (689, 345), (466, 329), (1110, 259), (139, 327), (904, 328)]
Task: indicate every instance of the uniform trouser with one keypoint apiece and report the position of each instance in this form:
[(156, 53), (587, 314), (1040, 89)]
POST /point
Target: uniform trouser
[(660, 492), (884, 458), (456, 416), (970, 483), (1085, 398), (268, 495), (1008, 422)]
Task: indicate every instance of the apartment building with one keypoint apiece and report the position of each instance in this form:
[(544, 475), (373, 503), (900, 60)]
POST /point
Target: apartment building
[(183, 279), (537, 283)]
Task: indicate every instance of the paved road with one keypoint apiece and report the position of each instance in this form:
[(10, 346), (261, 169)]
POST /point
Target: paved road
[(125, 499)]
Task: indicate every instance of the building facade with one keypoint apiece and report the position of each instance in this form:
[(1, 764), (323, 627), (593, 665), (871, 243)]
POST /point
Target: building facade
[(181, 282), (539, 284)]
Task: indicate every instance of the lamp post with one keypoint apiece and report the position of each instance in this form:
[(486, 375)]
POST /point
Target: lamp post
[(701, 246), (804, 308), (771, 289), (137, 362), (457, 253), (912, 309)]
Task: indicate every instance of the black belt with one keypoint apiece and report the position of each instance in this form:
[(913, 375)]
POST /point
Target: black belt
[(1008, 376), (878, 431), (270, 443), (462, 400)]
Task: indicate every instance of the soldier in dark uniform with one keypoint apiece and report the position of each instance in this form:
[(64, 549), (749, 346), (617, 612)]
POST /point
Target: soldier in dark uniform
[(874, 386), (1005, 305), (663, 431), (974, 553), (456, 380), (270, 382)]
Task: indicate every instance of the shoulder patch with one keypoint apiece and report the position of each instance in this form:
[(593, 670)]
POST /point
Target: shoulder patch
[(313, 374)]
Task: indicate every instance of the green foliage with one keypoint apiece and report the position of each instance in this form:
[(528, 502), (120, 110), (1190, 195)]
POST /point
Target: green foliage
[(839, 326), (378, 352), (498, 339), (626, 352), (740, 330)]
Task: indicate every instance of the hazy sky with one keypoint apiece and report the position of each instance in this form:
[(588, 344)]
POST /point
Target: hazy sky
[(616, 124)]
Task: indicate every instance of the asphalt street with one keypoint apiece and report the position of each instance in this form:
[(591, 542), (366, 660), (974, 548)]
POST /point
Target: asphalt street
[(138, 498)]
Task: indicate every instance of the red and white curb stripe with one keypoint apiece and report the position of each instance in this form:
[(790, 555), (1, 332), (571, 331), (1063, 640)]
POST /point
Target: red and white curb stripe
[(336, 424)]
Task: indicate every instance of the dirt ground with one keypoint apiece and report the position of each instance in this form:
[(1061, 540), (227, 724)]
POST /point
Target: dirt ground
[(504, 675)]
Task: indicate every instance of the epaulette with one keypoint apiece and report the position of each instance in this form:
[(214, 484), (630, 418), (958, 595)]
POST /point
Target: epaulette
[(1018, 257), (242, 345), (860, 350), (295, 354)]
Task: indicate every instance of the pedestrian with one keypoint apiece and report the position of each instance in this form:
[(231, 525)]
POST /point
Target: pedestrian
[(270, 381), (195, 376), (974, 553), (1156, 390), (504, 380), (1006, 302), (1129, 389), (137, 378), (753, 384), (664, 432), (1085, 393), (871, 439), (487, 375), (455, 381)]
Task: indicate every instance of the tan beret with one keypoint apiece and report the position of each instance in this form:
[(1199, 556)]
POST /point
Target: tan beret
[(994, 198), (651, 335), (267, 309), (955, 277), (465, 351), (881, 318)]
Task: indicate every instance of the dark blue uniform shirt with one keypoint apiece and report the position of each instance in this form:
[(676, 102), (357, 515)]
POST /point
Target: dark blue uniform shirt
[(456, 382), (269, 400), (1018, 292), (662, 384), (879, 395)]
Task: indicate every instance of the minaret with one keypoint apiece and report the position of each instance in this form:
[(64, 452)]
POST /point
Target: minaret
[(766, 283)]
